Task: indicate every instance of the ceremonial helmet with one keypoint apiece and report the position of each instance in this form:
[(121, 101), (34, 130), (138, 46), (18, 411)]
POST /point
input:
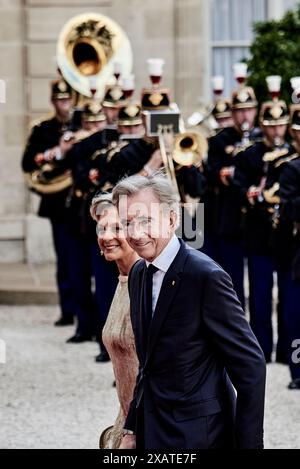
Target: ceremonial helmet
[(129, 114), (155, 99), (274, 112), (295, 116), (93, 112), (114, 96), (243, 97), (60, 89), (222, 108)]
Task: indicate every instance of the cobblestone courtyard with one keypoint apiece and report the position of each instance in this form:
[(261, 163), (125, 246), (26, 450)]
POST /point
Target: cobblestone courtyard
[(53, 394)]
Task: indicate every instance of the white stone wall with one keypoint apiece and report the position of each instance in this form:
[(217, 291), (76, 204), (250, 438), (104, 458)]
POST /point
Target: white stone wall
[(173, 29), (13, 196)]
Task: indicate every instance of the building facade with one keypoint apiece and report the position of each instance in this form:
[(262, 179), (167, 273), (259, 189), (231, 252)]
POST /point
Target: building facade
[(197, 38)]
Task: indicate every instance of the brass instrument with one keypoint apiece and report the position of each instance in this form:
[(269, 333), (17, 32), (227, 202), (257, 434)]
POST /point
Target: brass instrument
[(271, 195), (41, 184), (168, 164), (189, 148), (204, 120), (51, 178), (88, 46)]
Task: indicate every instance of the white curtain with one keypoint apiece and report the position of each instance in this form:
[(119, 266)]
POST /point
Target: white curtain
[(231, 33), (290, 4)]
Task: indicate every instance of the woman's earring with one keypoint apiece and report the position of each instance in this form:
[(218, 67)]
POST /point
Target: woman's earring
[(101, 252)]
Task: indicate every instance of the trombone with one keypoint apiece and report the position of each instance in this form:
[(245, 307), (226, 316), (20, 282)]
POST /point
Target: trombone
[(163, 132), (189, 148)]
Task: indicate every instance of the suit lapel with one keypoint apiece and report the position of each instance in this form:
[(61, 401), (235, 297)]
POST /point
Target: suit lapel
[(167, 293)]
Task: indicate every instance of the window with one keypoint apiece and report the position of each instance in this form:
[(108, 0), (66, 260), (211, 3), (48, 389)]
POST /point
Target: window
[(290, 4), (232, 34), (231, 31)]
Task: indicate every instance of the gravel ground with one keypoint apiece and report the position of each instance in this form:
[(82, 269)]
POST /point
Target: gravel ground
[(53, 394)]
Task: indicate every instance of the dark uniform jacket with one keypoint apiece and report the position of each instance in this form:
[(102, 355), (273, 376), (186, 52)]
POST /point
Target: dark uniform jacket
[(127, 158), (80, 160), (132, 158), (290, 210), (266, 233), (44, 136), (222, 203)]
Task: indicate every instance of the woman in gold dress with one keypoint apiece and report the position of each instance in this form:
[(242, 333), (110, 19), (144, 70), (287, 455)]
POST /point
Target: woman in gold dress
[(117, 334)]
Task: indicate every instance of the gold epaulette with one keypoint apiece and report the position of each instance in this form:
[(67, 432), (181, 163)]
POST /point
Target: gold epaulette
[(40, 120), (240, 148), (292, 157), (236, 149), (271, 156), (97, 153), (269, 194), (117, 148), (216, 132), (229, 149)]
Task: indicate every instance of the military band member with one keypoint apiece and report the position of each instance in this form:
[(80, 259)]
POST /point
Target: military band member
[(113, 98), (45, 143), (95, 136), (268, 238), (137, 153), (223, 225), (92, 306), (222, 106), (133, 150), (290, 212)]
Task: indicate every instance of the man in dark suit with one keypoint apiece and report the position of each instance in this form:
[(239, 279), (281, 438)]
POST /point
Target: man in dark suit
[(192, 338)]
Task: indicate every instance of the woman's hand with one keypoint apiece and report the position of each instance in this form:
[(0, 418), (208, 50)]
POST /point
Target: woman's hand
[(128, 442)]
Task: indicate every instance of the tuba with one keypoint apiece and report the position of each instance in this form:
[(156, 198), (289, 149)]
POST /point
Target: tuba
[(88, 46)]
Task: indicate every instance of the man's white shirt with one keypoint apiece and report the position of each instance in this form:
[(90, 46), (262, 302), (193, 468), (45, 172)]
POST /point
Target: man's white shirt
[(163, 262)]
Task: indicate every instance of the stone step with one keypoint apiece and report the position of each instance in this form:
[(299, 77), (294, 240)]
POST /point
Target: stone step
[(27, 284)]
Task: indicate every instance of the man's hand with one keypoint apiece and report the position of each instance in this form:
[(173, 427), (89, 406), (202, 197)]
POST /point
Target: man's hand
[(66, 142), (253, 194), (226, 173), (169, 141), (39, 158), (94, 175), (128, 442), (155, 161), (46, 157)]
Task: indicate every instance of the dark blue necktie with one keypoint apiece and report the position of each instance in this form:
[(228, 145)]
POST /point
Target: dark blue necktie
[(147, 297)]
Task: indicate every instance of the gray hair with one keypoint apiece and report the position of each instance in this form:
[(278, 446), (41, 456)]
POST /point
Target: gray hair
[(100, 203), (157, 182)]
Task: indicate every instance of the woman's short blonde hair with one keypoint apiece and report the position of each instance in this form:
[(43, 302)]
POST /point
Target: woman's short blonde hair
[(100, 203)]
